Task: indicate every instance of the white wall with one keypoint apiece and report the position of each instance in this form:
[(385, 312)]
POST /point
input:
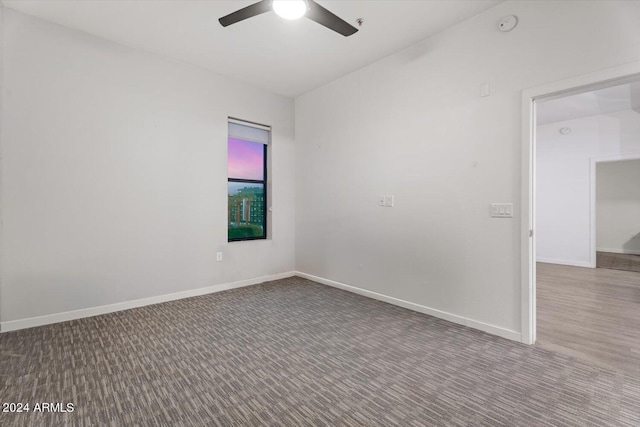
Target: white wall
[(618, 206), (563, 186), (114, 174), (1, 131), (413, 125)]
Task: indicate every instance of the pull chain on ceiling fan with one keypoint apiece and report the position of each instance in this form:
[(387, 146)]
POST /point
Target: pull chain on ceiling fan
[(292, 9)]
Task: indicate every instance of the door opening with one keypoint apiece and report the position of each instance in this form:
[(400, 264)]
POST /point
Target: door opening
[(574, 132), (530, 99)]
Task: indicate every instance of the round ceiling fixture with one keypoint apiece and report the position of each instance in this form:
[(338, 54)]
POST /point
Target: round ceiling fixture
[(564, 131), (290, 9), (507, 23)]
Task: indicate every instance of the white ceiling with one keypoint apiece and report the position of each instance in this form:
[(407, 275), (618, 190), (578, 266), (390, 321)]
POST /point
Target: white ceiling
[(603, 101), (284, 57)]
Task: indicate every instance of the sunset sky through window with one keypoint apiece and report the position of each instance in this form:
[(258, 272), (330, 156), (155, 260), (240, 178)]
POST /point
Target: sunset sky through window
[(245, 159)]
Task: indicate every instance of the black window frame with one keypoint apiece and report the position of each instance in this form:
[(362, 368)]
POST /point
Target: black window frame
[(253, 181)]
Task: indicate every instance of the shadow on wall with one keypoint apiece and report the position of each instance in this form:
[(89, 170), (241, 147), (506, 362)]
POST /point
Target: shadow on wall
[(633, 244)]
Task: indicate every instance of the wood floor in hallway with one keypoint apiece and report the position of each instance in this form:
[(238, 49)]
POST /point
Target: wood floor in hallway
[(590, 313)]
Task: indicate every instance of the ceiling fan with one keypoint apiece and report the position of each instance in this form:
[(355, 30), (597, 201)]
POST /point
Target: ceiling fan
[(292, 9)]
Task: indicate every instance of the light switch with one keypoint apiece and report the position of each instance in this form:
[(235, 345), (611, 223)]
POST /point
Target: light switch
[(388, 201), (502, 210)]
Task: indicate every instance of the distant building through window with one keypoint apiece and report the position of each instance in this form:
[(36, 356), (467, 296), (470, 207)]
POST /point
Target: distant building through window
[(247, 178)]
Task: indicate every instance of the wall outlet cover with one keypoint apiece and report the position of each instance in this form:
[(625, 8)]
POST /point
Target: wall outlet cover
[(501, 210)]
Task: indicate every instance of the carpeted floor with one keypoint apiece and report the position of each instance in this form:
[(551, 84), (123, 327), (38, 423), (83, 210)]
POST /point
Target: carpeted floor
[(627, 262), (295, 353)]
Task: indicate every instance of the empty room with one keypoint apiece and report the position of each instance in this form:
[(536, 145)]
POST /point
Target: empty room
[(587, 221), (336, 213)]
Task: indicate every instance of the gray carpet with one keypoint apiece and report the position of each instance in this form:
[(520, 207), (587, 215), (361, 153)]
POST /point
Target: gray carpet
[(295, 353)]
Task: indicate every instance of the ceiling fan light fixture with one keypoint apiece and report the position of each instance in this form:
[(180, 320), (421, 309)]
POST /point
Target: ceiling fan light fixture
[(290, 9)]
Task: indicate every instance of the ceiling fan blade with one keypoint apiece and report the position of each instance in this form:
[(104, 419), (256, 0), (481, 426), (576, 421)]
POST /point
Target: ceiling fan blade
[(246, 12), (324, 17)]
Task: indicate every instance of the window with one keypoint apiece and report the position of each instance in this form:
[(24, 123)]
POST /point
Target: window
[(247, 179)]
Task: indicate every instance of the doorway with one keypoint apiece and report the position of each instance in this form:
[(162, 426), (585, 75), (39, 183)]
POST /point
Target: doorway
[(617, 213), (577, 136)]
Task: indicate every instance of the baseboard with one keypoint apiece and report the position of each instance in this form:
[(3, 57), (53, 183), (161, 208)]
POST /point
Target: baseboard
[(485, 327), (31, 322), (619, 251), (565, 262)]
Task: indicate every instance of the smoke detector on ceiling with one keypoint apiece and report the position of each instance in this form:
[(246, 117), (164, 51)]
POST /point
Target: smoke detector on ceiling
[(564, 131), (507, 23)]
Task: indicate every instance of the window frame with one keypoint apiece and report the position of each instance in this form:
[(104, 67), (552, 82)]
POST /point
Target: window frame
[(252, 181)]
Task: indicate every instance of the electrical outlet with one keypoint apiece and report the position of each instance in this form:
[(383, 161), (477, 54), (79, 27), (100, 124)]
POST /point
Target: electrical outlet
[(218, 256)]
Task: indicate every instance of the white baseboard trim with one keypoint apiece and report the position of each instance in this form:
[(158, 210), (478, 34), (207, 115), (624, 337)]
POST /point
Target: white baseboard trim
[(565, 262), (485, 327), (619, 251), (31, 322)]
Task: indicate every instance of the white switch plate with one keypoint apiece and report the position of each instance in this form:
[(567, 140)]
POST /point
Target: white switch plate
[(502, 210), (485, 90), (388, 201), (380, 200), (218, 256)]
